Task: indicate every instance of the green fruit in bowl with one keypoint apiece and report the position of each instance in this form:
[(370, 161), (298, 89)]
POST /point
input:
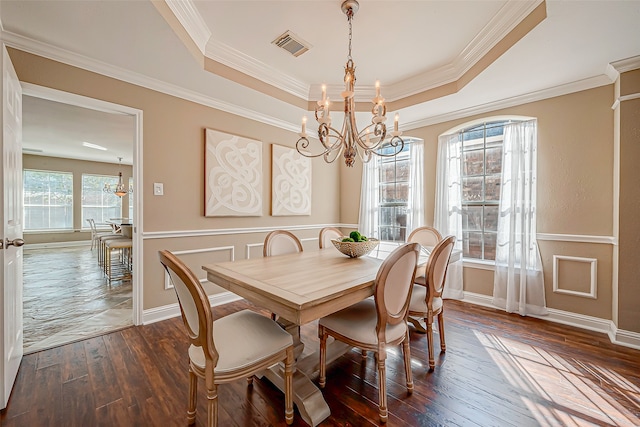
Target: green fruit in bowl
[(355, 235), (348, 239)]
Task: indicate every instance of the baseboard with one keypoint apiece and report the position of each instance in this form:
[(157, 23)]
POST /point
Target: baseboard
[(58, 244), (169, 311), (596, 324), (625, 338)]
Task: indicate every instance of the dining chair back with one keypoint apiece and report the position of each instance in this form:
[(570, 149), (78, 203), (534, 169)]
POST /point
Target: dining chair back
[(426, 236), (374, 324), (281, 242), (426, 299), (326, 235), (245, 342)]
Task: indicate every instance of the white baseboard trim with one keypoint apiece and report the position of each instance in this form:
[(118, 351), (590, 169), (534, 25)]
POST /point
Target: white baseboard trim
[(165, 312), (596, 324), (58, 244), (625, 338)]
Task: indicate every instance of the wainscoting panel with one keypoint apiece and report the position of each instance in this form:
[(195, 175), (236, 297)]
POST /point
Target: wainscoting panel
[(575, 276), (196, 267)]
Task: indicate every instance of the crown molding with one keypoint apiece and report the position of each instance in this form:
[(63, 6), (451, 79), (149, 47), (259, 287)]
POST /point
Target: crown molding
[(628, 64), (192, 21), (233, 58), (507, 18), (585, 84), (79, 61)]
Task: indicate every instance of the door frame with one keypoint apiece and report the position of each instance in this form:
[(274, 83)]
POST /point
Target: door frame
[(108, 107)]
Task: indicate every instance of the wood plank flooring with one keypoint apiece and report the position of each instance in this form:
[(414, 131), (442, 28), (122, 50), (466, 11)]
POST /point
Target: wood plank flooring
[(499, 370)]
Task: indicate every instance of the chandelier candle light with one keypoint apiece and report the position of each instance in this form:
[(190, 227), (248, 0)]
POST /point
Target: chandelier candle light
[(120, 189), (351, 142)]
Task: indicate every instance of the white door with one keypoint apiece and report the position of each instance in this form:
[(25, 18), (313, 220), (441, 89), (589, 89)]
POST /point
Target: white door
[(11, 217)]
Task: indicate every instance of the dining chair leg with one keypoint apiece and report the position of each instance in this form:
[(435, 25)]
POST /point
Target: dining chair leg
[(322, 380), (288, 387), (429, 322), (382, 386), (364, 354), (443, 345), (193, 393), (212, 403), (406, 351)]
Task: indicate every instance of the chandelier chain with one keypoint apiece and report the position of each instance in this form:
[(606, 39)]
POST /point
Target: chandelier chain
[(351, 142), (349, 17)]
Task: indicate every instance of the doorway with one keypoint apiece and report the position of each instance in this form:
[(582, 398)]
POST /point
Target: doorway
[(83, 302)]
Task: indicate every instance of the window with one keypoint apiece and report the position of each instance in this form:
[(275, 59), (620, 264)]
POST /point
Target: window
[(96, 203), (48, 200), (393, 189), (481, 171), (392, 201)]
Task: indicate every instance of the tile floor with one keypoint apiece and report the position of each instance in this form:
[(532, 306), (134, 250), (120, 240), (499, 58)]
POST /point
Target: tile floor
[(66, 298)]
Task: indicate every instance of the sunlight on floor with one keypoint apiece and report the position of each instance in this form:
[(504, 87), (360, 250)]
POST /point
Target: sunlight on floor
[(560, 391)]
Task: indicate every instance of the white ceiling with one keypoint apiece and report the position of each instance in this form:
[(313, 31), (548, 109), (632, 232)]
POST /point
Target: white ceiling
[(407, 45)]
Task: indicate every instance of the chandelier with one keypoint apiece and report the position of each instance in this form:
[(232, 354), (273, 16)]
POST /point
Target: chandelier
[(120, 189), (349, 141)]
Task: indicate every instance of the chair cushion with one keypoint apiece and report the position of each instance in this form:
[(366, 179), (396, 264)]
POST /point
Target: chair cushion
[(419, 298), (358, 322), (243, 338)]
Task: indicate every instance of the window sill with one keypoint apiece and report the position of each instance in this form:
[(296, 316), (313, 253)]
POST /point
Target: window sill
[(479, 264), (56, 231)]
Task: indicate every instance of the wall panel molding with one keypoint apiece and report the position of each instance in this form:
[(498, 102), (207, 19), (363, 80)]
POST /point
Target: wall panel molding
[(231, 249), (169, 311), (593, 269)]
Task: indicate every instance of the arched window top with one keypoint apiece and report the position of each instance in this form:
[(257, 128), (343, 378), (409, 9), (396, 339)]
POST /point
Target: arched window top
[(467, 126)]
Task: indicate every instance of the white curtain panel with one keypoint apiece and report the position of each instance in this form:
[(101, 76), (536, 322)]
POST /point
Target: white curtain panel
[(415, 217), (448, 206), (369, 199), (518, 280)]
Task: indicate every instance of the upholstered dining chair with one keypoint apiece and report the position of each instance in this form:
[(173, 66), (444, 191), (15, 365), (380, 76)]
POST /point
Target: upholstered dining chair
[(426, 236), (235, 346), (375, 323), (326, 234), (426, 298), (281, 242)]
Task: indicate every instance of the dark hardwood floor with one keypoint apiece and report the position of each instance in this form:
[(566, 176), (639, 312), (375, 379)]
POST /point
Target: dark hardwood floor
[(499, 370)]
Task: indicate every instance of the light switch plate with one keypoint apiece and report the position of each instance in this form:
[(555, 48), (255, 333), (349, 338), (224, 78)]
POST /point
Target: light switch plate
[(158, 189)]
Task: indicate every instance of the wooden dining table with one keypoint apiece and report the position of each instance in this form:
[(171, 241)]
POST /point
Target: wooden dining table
[(300, 288)]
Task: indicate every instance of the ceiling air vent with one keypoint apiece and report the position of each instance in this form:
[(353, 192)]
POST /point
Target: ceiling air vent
[(292, 43)]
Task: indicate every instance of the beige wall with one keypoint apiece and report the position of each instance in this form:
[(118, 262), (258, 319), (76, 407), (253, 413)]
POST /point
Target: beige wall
[(77, 167), (575, 183), (629, 238), (173, 153)]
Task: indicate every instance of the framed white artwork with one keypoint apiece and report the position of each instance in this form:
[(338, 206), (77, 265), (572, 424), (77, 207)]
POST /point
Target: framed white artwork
[(290, 182), (233, 175)]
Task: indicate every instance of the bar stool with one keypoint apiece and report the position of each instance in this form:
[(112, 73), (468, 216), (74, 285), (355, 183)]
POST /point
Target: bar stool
[(102, 245), (121, 271)]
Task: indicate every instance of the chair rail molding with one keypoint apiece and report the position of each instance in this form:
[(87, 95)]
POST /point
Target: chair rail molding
[(170, 234), (577, 238)]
